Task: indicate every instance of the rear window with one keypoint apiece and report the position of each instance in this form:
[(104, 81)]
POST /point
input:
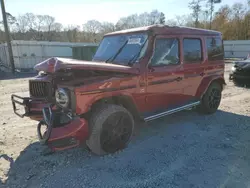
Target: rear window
[(214, 49)]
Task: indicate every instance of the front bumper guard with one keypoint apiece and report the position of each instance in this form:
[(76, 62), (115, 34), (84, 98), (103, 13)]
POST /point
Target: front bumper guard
[(47, 121), (63, 132), (24, 102), (32, 107)]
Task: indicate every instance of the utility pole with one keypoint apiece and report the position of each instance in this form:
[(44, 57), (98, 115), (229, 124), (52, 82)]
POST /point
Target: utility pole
[(7, 35), (211, 13), (212, 2)]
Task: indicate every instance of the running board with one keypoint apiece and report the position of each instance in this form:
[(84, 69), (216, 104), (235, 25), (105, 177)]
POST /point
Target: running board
[(171, 111)]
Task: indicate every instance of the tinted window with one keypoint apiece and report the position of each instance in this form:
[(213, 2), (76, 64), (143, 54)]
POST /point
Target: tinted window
[(192, 50), (166, 52), (214, 49)]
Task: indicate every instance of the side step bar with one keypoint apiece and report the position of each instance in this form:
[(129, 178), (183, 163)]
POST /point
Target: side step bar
[(150, 118)]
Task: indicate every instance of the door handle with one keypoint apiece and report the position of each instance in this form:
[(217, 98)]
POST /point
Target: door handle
[(151, 69), (202, 74), (178, 79)]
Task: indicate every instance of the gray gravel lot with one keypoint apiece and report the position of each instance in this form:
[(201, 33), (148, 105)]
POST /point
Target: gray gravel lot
[(182, 150)]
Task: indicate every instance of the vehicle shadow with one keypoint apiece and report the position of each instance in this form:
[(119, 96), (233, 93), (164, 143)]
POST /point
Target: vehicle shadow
[(174, 148)]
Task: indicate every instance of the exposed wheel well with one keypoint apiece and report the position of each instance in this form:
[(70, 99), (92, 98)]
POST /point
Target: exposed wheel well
[(220, 81), (122, 100)]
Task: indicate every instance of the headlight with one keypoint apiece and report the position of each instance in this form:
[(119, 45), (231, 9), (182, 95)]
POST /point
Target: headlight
[(62, 97), (233, 69), (41, 73)]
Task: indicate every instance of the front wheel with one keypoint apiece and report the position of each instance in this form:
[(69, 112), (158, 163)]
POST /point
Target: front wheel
[(111, 127), (211, 99)]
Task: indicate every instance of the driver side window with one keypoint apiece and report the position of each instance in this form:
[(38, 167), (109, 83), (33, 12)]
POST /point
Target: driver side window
[(166, 52)]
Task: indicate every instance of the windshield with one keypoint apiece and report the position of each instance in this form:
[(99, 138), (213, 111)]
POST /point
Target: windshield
[(122, 49)]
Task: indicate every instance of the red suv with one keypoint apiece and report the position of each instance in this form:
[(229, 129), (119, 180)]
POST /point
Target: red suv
[(137, 74)]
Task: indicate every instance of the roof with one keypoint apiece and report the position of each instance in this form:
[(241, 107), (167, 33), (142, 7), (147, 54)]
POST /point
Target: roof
[(162, 29)]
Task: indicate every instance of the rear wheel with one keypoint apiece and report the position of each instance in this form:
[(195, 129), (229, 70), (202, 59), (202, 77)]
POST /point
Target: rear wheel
[(211, 99), (111, 128)]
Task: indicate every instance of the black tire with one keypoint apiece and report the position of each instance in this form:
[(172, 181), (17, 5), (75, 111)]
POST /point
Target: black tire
[(105, 122), (211, 99)]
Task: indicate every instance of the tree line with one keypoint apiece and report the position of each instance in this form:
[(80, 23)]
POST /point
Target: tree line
[(232, 21)]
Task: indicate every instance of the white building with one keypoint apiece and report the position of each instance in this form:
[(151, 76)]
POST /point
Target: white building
[(28, 53)]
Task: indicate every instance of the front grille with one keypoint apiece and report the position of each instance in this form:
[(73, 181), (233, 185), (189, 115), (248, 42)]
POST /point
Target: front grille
[(40, 89)]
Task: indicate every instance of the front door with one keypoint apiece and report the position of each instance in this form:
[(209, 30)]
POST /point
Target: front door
[(164, 86)]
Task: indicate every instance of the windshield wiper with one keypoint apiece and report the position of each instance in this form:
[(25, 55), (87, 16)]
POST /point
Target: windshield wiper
[(112, 58), (136, 55)]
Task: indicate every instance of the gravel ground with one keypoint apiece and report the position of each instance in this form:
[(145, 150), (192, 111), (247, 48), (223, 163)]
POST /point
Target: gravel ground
[(182, 150)]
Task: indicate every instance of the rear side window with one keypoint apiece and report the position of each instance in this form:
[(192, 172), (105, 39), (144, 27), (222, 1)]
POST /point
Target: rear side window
[(214, 49), (192, 49)]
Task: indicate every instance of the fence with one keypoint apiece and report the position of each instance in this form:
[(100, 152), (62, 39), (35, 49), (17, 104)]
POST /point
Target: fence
[(27, 54), (236, 48)]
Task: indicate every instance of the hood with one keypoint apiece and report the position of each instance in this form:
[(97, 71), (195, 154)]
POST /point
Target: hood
[(55, 64), (242, 64)]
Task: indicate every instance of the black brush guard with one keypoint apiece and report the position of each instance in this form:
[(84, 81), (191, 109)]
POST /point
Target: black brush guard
[(48, 121), (51, 119), (26, 103)]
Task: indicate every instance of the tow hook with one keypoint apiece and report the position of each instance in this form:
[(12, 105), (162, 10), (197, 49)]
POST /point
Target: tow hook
[(48, 119)]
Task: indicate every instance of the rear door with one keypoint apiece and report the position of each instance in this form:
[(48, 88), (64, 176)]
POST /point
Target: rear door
[(193, 65), (164, 76)]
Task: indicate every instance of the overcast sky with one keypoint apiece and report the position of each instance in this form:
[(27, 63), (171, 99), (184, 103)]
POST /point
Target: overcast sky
[(78, 12)]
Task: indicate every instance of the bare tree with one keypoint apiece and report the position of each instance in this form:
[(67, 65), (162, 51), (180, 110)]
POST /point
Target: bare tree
[(92, 28), (144, 19), (72, 34), (238, 13), (156, 17), (232, 21), (26, 23), (128, 22), (39, 22), (195, 5), (30, 20), (181, 20), (22, 23), (107, 27), (172, 22), (204, 19), (12, 23), (48, 22)]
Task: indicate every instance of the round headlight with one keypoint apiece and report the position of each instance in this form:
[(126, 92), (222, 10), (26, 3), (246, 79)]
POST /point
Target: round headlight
[(62, 97)]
